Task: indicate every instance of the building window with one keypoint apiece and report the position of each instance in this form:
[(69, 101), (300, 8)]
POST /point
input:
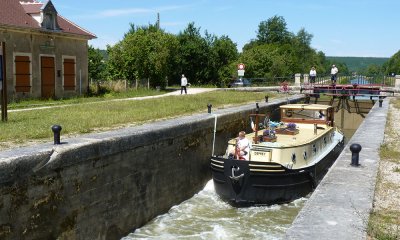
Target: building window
[(69, 73), (22, 74)]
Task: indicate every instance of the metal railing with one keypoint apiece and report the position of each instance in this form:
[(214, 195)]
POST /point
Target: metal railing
[(267, 82), (381, 80)]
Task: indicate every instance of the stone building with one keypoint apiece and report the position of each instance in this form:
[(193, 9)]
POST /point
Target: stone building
[(45, 55)]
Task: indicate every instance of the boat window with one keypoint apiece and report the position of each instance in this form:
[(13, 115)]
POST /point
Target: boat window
[(314, 149), (294, 158), (307, 114)]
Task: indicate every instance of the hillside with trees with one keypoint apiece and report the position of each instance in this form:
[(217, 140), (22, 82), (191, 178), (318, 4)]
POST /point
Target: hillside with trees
[(358, 64)]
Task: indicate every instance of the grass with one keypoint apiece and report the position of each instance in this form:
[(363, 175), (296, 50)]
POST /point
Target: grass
[(388, 151), (29, 103), (103, 115), (384, 225)]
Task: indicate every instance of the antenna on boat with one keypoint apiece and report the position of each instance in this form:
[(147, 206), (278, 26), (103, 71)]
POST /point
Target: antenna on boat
[(257, 116), (215, 130)]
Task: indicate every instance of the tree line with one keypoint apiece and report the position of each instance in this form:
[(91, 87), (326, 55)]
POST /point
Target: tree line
[(148, 52)]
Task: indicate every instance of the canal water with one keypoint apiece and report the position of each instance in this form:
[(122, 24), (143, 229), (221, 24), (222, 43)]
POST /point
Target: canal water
[(205, 216)]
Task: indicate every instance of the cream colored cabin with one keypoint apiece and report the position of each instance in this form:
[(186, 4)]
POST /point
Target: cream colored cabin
[(314, 137)]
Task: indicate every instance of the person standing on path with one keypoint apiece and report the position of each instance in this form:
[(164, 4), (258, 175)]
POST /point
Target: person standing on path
[(334, 72), (313, 74), (183, 83)]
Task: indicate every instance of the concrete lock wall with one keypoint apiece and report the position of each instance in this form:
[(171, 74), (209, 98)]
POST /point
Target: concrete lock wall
[(340, 206), (105, 185)]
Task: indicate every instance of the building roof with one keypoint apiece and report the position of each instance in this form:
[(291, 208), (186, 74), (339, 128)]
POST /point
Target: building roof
[(21, 14)]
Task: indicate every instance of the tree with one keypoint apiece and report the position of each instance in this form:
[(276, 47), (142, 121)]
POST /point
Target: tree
[(266, 61), (273, 31), (193, 55), (304, 38), (115, 62), (223, 53), (96, 64), (144, 53), (393, 64), (304, 54)]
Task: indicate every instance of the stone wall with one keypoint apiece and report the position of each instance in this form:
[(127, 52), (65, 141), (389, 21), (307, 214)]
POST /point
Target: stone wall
[(105, 185)]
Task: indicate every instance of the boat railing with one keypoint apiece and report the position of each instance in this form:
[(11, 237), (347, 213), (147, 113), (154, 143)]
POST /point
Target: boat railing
[(303, 120)]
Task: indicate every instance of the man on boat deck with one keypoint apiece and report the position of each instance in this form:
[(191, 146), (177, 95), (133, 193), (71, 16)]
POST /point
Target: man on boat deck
[(242, 147)]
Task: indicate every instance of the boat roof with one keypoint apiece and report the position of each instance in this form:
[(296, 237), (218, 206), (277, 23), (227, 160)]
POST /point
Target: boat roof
[(306, 106)]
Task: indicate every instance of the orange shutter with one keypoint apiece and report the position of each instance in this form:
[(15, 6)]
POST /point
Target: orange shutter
[(22, 74), (69, 74)]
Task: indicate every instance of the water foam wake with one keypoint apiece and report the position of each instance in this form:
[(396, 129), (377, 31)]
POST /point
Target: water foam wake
[(205, 216)]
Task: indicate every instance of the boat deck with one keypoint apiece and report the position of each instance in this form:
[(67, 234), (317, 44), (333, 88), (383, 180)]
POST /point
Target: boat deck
[(305, 136)]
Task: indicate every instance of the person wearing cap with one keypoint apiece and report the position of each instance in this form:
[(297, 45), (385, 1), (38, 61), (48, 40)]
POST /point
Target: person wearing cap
[(334, 72)]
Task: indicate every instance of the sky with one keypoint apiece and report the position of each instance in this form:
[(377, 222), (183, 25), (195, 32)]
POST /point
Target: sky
[(360, 28)]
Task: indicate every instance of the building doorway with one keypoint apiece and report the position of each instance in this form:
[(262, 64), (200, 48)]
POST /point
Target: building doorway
[(48, 77)]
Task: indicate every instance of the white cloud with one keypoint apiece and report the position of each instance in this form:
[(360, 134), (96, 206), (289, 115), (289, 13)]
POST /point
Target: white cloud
[(337, 41), (122, 12), (172, 24), (128, 11)]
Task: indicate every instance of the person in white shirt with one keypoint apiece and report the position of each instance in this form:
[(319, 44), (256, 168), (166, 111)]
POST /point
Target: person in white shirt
[(334, 72), (313, 75), (243, 146), (183, 83)]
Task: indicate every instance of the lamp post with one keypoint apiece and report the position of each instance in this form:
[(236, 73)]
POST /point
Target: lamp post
[(3, 81)]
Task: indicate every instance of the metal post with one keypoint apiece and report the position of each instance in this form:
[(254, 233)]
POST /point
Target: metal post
[(57, 132), (209, 106), (4, 78), (355, 148), (307, 100), (215, 131)]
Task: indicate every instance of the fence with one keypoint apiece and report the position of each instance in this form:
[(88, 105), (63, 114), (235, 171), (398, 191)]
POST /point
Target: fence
[(266, 82), (120, 85), (382, 80)]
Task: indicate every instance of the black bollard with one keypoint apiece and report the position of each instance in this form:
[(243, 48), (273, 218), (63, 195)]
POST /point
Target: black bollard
[(307, 100), (257, 108), (209, 106), (266, 98), (57, 132), (355, 149)]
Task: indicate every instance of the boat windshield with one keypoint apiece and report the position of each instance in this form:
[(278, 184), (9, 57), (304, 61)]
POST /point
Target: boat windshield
[(304, 114)]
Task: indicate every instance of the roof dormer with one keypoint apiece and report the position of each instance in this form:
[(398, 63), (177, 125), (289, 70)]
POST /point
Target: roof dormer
[(48, 15)]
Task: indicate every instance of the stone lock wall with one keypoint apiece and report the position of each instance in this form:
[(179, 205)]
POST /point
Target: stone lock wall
[(105, 185)]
